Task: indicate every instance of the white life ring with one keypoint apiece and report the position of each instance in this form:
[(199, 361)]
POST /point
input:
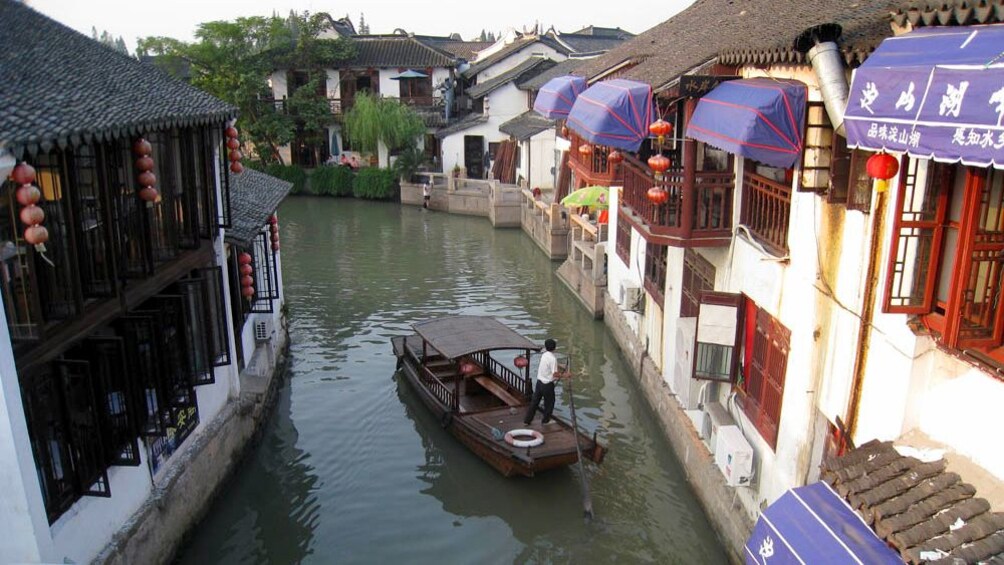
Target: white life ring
[(511, 435)]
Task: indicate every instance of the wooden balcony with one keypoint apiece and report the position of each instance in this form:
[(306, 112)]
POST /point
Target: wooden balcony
[(592, 169), (700, 216), (765, 211)]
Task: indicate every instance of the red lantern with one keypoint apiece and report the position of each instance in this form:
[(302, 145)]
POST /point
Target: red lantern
[(660, 128), (36, 235), (246, 269), (244, 259), (882, 167), (144, 163), (468, 368), (32, 215), (149, 195), (273, 219), (231, 132), (521, 362), (236, 168), (247, 280), (142, 147), (275, 246), (232, 144), (146, 178), (235, 155), (23, 173), (247, 291), (585, 150), (273, 229), (615, 157), (28, 194), (657, 195), (275, 238), (658, 163)]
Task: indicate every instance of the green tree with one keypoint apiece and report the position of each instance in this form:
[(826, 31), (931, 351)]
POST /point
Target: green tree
[(373, 120)]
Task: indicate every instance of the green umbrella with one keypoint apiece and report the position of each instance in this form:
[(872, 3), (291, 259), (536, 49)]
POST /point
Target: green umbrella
[(591, 196)]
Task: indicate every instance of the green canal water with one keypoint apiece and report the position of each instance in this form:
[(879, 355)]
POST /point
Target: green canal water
[(352, 469)]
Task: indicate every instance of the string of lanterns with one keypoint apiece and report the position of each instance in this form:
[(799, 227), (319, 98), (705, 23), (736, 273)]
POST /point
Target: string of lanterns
[(234, 145), (31, 214), (273, 228), (659, 163), (144, 176), (247, 279)]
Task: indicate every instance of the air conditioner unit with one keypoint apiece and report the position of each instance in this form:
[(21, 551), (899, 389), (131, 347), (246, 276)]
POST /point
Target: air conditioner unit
[(715, 416), (631, 297), (262, 330), (734, 456)]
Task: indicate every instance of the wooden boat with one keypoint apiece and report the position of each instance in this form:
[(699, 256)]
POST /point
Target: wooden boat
[(454, 365)]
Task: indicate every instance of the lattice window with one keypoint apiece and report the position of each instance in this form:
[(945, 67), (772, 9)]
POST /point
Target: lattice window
[(623, 242), (655, 270), (765, 357), (698, 277)]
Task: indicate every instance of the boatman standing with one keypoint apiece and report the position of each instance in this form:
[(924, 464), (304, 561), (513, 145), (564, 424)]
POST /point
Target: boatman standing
[(547, 375)]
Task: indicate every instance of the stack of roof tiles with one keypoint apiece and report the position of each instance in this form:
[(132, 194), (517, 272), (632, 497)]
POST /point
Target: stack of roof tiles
[(926, 513), (950, 12)]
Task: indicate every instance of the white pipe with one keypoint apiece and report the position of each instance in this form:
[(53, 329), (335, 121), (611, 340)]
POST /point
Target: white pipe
[(829, 67)]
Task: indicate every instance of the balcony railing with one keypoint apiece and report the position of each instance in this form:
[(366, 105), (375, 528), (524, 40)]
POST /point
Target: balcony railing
[(593, 168), (765, 211), (705, 212)]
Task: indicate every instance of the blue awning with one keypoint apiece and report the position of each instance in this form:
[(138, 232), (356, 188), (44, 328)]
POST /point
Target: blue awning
[(555, 99), (935, 92), (615, 113), (410, 73), (759, 118), (812, 524)]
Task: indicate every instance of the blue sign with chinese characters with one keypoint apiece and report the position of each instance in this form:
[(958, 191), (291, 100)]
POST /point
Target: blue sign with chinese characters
[(935, 93)]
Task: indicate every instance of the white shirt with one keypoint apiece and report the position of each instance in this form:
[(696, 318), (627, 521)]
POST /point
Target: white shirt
[(548, 366)]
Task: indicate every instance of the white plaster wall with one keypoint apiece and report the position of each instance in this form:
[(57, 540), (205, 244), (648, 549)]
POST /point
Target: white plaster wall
[(439, 74), (504, 104), (513, 59), (389, 87), (280, 88), (333, 83)]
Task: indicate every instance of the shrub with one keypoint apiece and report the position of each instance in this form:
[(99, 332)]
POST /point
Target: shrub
[(289, 173), (375, 184), (255, 164), (332, 181)]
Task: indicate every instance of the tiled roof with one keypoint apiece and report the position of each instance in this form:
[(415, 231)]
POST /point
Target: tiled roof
[(924, 512), (398, 51), (466, 50), (58, 86), (712, 27), (514, 47), (526, 125), (528, 68), (561, 69), (254, 196), (949, 12), (582, 43), (604, 32), (466, 122)]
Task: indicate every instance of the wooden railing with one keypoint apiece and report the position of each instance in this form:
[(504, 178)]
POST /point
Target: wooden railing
[(439, 389), (703, 212), (513, 382), (766, 208), (593, 168)]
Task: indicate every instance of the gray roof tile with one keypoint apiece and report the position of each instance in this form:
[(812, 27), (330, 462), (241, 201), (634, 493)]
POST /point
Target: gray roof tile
[(528, 68), (398, 51), (561, 69), (254, 196), (57, 85), (514, 47), (466, 122), (526, 125)]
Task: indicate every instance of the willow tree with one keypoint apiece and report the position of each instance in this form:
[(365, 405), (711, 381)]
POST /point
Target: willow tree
[(373, 120)]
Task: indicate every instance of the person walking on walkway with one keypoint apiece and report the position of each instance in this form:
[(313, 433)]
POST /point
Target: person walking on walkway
[(547, 375), (426, 194)]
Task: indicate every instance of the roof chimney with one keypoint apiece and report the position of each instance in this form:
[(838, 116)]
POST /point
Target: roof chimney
[(819, 44)]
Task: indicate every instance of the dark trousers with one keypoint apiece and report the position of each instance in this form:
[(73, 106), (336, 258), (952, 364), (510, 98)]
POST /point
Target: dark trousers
[(545, 391)]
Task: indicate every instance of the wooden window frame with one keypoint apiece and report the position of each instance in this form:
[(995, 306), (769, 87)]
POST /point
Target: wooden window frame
[(623, 242), (656, 265), (698, 278), (766, 345)]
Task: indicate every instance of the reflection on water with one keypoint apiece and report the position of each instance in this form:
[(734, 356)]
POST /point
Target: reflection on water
[(353, 469)]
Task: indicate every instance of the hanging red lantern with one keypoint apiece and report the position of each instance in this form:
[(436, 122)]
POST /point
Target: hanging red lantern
[(275, 246), (521, 362), (142, 147), (149, 195), (660, 128), (882, 167), (658, 163), (231, 132), (468, 368), (146, 178), (37, 236), (273, 219), (273, 229), (585, 150), (32, 215), (615, 157), (657, 195), (28, 194), (275, 238), (244, 259), (247, 280), (144, 163), (246, 269), (23, 173), (247, 291), (235, 155), (236, 168), (233, 144)]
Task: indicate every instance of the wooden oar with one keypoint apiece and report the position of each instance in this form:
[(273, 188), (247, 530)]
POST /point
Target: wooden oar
[(587, 501)]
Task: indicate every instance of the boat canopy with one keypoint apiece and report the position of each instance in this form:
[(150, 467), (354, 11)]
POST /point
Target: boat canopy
[(456, 336)]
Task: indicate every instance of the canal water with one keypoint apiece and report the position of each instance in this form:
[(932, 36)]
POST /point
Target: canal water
[(352, 469)]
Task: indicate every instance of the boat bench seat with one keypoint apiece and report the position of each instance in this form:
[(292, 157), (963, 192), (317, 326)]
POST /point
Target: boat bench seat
[(498, 390)]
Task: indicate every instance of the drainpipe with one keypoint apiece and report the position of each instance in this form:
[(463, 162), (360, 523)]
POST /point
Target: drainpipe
[(818, 43)]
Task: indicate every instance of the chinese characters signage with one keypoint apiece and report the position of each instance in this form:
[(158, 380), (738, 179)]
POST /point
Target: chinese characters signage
[(695, 86)]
